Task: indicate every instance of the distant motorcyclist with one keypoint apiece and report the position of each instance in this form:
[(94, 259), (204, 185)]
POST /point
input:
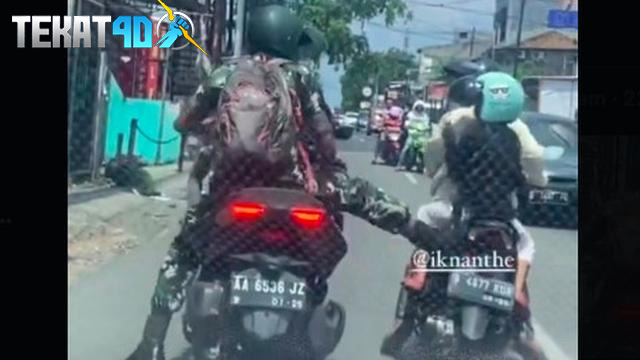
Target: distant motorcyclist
[(393, 118), (417, 114), (484, 132)]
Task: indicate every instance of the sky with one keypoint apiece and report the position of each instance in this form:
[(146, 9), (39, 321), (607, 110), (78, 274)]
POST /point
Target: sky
[(430, 26)]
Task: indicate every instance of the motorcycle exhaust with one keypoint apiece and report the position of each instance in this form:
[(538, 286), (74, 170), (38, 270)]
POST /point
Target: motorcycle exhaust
[(475, 320)]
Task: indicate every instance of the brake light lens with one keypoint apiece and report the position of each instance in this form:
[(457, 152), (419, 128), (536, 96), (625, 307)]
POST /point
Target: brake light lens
[(309, 218), (247, 211)]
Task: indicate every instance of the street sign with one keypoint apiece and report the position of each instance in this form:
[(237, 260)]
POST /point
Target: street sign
[(562, 19), (366, 91)]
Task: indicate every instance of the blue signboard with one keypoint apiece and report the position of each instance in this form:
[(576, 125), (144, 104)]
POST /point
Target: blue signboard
[(562, 19)]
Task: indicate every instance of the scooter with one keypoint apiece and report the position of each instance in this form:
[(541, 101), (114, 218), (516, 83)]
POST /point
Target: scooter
[(417, 137), (390, 141)]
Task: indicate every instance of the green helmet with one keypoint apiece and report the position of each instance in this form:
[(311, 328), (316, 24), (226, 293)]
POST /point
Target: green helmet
[(275, 30), (500, 98)]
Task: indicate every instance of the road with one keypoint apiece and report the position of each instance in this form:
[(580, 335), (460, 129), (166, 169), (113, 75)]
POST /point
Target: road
[(107, 308)]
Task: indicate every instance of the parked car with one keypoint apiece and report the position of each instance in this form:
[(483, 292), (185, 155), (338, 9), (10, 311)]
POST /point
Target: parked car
[(346, 126), (557, 203)]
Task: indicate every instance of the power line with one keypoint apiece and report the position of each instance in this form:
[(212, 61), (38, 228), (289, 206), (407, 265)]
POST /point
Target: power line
[(433, 35), (467, 10), (478, 31)]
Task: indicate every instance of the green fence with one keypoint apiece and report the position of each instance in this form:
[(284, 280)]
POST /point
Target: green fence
[(149, 136)]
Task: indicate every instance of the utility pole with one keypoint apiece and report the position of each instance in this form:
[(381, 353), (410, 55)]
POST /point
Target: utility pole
[(473, 38), (493, 44), (165, 75), (219, 21), (517, 50), (406, 40), (240, 16)]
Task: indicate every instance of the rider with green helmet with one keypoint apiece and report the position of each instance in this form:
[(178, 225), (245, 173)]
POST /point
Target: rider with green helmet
[(417, 121), (479, 155)]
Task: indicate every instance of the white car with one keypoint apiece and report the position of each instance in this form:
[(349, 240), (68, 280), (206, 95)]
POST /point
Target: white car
[(350, 119), (346, 125)]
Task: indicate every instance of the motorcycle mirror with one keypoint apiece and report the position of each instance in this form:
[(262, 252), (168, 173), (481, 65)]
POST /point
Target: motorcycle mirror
[(553, 152)]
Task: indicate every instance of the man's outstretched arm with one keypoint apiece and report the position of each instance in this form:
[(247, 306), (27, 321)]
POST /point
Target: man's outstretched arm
[(361, 198)]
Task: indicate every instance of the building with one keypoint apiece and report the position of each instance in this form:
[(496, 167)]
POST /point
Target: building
[(463, 48), (536, 14), (542, 51)]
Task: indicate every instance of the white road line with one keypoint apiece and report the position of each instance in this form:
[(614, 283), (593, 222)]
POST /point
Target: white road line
[(411, 178), (551, 349), (361, 139)]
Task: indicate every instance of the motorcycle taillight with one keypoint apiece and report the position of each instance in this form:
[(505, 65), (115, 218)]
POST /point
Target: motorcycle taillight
[(308, 218), (247, 211)]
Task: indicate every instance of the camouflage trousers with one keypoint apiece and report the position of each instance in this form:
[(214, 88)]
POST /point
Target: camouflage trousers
[(176, 273)]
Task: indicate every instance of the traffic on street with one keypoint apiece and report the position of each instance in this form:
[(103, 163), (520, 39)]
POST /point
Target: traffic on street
[(107, 309), (324, 181)]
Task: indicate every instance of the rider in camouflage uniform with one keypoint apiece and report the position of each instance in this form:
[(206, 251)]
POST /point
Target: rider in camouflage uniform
[(267, 29)]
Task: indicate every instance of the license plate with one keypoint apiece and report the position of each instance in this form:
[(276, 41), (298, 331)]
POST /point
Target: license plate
[(277, 294), (493, 293), (548, 197), (394, 137)]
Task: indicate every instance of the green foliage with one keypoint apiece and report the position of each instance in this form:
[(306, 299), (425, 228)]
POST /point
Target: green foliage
[(334, 18), (388, 66), (529, 68)]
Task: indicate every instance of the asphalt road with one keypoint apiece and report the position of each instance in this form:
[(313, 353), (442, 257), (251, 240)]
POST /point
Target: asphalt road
[(107, 308)]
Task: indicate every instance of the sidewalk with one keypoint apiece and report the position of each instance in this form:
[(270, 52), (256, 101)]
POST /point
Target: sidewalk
[(104, 221), (79, 193)]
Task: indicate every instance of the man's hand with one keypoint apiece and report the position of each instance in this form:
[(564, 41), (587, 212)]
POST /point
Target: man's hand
[(522, 298)]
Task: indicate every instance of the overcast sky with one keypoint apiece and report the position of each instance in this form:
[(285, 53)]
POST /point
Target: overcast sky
[(431, 26)]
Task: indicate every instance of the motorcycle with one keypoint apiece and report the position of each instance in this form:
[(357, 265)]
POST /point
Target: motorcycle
[(391, 141), (260, 291), (418, 132), (465, 315)]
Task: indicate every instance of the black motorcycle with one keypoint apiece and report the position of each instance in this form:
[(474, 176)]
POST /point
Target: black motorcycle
[(260, 293), (466, 314)]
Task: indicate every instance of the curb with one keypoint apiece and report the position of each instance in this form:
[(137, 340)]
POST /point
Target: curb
[(80, 197)]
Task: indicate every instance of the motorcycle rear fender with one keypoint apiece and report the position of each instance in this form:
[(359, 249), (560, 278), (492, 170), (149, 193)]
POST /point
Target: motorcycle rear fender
[(205, 299), (326, 327), (475, 320)]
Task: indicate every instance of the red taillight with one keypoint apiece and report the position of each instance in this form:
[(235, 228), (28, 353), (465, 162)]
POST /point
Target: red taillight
[(247, 210), (308, 217)]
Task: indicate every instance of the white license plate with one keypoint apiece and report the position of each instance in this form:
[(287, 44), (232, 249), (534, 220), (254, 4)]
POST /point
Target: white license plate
[(548, 197), (394, 137), (483, 291), (252, 291)]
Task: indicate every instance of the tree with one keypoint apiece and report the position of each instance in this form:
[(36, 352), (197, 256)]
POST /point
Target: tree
[(530, 68), (388, 66), (334, 18)]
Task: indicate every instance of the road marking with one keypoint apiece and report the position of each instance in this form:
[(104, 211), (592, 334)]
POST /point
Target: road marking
[(551, 349), (411, 178), (361, 139)]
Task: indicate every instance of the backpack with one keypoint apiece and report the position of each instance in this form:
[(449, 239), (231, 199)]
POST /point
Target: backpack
[(485, 166), (257, 101)]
